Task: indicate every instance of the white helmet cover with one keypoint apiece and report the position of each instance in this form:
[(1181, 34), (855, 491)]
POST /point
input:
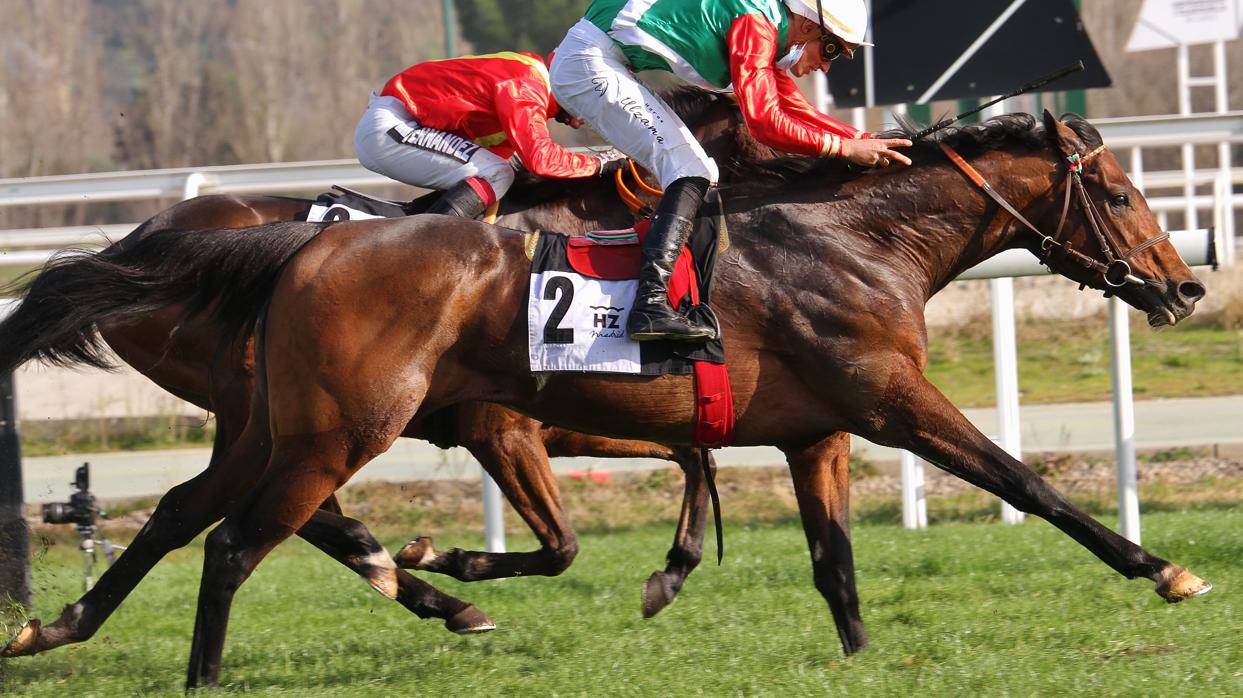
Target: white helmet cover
[(848, 19)]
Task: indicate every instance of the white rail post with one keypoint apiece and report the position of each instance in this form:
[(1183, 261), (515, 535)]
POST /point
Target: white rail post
[(1124, 421), (1223, 219), (194, 182), (1223, 189), (1006, 364), (914, 504), (1006, 372), (493, 518)]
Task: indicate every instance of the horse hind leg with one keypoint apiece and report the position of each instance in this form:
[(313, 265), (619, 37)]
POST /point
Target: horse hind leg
[(302, 472), (183, 513), (510, 449), (821, 475), (349, 542)]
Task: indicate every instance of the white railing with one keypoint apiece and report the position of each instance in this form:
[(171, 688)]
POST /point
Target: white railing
[(1128, 137), (173, 183)]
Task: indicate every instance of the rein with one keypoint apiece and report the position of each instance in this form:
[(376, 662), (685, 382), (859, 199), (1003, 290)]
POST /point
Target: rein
[(1115, 272)]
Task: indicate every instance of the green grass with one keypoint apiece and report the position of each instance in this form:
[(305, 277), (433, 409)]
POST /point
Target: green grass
[(1070, 362), (958, 609)]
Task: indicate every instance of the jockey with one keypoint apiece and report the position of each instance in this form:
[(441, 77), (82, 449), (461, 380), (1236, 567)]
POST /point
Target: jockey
[(741, 45), (453, 125)]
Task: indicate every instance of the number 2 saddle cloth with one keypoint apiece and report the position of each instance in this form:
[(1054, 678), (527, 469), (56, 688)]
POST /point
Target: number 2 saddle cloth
[(582, 288)]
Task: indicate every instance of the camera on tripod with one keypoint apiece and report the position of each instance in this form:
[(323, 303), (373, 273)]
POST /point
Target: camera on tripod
[(81, 510), (82, 507)]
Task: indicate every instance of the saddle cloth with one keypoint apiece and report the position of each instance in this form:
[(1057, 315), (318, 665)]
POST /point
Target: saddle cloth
[(579, 300)]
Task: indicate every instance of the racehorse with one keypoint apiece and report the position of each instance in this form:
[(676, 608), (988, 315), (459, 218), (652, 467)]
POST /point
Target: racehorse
[(820, 299), (175, 351)]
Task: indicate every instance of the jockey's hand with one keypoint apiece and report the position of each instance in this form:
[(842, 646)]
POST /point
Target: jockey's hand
[(611, 160), (875, 152)]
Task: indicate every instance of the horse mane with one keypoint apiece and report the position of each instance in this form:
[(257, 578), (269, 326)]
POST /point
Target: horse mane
[(1019, 128)]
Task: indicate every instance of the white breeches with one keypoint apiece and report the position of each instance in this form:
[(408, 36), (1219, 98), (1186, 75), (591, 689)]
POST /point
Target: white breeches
[(428, 157), (591, 80)]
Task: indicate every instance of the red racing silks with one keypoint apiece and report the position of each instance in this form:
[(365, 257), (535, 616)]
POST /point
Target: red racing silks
[(500, 101), (777, 114)]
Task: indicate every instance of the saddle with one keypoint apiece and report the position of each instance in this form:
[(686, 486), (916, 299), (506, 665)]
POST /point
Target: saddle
[(344, 204)]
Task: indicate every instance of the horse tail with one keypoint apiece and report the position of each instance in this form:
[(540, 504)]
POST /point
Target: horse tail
[(62, 306)]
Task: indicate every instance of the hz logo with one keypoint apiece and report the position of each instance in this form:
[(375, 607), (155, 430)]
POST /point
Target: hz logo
[(606, 317)]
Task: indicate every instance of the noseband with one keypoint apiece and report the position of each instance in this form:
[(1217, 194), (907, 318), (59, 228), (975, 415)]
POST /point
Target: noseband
[(1115, 272)]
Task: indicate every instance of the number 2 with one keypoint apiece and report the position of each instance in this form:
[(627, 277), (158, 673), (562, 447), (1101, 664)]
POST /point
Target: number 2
[(552, 333)]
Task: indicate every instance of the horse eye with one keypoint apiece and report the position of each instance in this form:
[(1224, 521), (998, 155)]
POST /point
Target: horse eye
[(1121, 199)]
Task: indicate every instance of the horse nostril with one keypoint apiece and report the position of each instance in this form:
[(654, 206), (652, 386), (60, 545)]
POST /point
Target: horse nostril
[(1191, 291)]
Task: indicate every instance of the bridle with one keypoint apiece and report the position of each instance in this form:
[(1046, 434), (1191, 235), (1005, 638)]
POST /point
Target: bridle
[(1115, 272)]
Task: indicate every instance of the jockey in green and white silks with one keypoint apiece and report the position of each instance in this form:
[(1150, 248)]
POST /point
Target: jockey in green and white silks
[(743, 46)]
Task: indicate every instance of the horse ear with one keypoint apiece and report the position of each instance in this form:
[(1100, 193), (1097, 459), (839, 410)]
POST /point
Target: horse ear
[(1061, 136)]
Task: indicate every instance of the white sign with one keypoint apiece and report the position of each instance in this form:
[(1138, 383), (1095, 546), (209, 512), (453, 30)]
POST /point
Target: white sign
[(575, 323), (1168, 23)]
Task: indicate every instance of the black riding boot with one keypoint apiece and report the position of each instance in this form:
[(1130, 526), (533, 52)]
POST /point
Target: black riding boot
[(651, 317), (459, 200)]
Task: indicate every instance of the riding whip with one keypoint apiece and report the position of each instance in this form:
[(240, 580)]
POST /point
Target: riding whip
[(1041, 82)]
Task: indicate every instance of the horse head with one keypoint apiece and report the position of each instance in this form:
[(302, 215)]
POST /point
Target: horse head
[(1104, 235)]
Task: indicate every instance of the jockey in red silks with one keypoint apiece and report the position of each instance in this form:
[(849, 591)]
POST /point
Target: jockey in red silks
[(743, 46), (454, 124)]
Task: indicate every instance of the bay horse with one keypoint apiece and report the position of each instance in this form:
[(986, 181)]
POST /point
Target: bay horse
[(176, 352), (373, 324)]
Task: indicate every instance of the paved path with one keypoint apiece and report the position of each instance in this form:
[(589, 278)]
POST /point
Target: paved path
[(1065, 427)]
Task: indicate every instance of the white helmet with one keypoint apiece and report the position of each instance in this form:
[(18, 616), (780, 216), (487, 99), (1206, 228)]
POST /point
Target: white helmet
[(848, 19)]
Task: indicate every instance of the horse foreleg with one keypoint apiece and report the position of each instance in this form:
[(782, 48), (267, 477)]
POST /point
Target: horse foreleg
[(687, 550), (349, 542), (688, 539), (922, 420), (509, 448), (821, 475), (183, 513)]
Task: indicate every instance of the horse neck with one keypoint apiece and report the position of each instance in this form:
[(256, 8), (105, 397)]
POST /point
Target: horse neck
[(940, 224)]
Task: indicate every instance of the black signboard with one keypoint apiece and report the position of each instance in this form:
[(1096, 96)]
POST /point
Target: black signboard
[(919, 41)]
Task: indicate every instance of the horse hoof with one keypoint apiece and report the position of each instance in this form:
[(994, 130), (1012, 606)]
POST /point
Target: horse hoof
[(417, 553), (23, 643), (1179, 583), (470, 620), (657, 593)]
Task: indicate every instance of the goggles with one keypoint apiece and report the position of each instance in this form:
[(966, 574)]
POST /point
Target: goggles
[(832, 48)]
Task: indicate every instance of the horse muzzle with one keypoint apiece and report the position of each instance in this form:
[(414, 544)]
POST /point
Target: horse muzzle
[(1170, 302)]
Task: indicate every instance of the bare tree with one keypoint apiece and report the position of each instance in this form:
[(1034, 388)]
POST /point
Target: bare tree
[(52, 119), (302, 71), (170, 46)]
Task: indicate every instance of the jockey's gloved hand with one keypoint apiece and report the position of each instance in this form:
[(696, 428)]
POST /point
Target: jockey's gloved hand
[(611, 160)]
